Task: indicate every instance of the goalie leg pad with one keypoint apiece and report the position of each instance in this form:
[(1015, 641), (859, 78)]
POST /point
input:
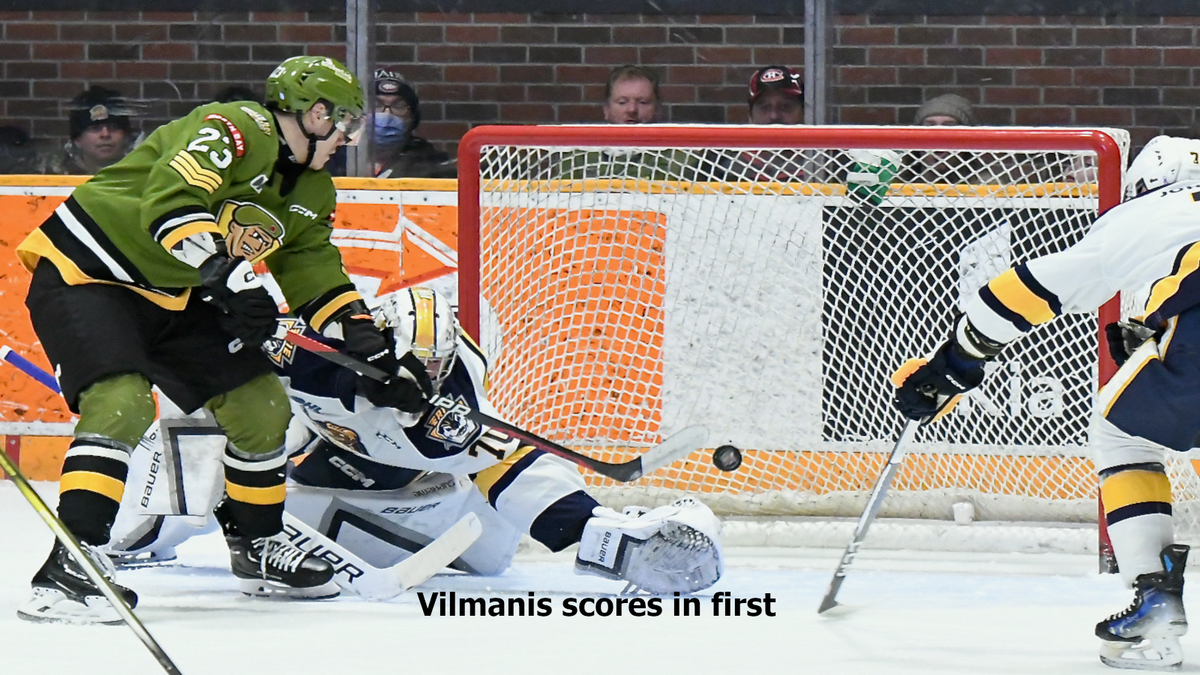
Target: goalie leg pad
[(671, 548)]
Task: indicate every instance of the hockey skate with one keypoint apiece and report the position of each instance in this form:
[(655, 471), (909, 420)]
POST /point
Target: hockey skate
[(63, 593), (671, 548), (1146, 635), (272, 567)]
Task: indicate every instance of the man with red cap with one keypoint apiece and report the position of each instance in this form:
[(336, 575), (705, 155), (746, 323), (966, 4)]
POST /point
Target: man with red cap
[(776, 96)]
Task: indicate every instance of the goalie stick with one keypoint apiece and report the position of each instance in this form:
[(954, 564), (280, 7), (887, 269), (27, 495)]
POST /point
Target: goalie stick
[(371, 582), (64, 535), (374, 583), (676, 447)]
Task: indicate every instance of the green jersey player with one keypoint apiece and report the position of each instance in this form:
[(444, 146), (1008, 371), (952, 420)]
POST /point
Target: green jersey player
[(144, 276)]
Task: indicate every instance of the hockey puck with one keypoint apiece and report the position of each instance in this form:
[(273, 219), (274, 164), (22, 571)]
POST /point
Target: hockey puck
[(727, 458)]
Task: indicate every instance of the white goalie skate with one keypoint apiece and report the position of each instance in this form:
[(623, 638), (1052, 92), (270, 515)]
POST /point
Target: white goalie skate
[(671, 548)]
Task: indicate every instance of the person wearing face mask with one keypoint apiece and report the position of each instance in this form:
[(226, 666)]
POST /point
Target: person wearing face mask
[(144, 277), (399, 152)]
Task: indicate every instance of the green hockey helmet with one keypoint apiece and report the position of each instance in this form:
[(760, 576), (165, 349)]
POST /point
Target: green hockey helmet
[(302, 81)]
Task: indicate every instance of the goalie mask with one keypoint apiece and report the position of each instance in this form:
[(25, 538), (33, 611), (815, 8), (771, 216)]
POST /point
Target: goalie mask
[(422, 322), (1164, 160)]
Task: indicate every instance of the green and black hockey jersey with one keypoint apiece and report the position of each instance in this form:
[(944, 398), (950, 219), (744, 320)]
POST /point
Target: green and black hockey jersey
[(211, 171)]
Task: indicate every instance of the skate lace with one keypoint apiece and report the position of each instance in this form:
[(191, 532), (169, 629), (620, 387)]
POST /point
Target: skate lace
[(278, 554), (1139, 589)]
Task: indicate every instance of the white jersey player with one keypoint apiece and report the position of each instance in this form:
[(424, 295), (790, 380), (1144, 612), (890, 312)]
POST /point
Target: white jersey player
[(383, 483), (1149, 246)]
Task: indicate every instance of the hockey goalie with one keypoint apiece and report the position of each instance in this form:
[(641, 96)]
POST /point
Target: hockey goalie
[(1148, 246), (382, 483)]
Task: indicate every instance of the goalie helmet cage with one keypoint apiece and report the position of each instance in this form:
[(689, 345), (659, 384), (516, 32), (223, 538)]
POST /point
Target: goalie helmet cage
[(629, 281)]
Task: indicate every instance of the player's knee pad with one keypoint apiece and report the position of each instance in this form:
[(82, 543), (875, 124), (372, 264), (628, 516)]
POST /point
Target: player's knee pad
[(120, 407), (671, 548), (254, 416)]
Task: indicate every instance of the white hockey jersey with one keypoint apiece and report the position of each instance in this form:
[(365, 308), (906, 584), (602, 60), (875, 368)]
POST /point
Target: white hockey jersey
[(1149, 246), (438, 441)]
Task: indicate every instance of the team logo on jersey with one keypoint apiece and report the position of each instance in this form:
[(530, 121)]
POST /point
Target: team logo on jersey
[(450, 426), (283, 352), (250, 230), (342, 437)]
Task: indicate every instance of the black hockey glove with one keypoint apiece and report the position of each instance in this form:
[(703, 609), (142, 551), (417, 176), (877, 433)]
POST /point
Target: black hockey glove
[(248, 311), (1124, 337), (924, 389), (409, 389)]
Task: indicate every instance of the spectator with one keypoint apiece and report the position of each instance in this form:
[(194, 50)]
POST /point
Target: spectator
[(946, 110), (236, 92), (399, 152), (17, 153), (941, 166), (631, 95), (776, 96), (100, 134)]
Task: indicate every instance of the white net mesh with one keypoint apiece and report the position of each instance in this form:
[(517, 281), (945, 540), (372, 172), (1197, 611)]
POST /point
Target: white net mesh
[(628, 292)]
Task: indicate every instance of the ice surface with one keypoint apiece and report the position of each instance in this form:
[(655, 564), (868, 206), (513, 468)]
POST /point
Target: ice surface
[(909, 613)]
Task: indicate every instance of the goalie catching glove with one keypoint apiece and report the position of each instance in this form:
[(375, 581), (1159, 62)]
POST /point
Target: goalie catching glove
[(409, 389), (928, 389), (672, 548), (230, 284)]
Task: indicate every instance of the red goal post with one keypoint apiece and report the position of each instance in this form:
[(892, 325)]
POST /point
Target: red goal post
[(631, 280)]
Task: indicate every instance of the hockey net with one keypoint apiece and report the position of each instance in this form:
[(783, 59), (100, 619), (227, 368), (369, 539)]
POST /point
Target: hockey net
[(635, 281)]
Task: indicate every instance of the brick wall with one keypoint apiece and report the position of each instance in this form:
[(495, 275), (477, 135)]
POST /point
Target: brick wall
[(1139, 73)]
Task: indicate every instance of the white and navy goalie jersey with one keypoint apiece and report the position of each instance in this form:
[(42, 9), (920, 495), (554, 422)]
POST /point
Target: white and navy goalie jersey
[(439, 440)]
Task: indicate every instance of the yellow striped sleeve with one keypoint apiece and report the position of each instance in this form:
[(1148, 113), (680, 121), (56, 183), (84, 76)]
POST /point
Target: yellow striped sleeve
[(184, 231), (194, 174), (321, 316), (1016, 296)]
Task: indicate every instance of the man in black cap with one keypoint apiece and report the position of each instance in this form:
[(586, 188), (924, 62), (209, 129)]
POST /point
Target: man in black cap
[(100, 134), (399, 153), (776, 96)]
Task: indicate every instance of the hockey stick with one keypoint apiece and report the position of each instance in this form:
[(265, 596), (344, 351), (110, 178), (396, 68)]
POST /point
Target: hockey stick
[(868, 515), (676, 447), (374, 583), (353, 573), (64, 535), (29, 368)]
